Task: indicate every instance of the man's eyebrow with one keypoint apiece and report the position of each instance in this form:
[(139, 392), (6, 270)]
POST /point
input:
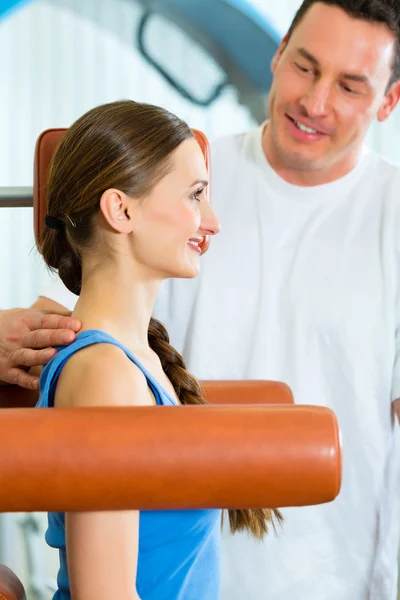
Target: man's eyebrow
[(357, 78), (305, 54), (351, 76)]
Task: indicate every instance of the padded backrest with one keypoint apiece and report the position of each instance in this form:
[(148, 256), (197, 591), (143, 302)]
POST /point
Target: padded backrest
[(45, 146)]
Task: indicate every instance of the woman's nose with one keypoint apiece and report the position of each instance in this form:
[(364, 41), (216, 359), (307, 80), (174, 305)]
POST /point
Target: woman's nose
[(209, 222)]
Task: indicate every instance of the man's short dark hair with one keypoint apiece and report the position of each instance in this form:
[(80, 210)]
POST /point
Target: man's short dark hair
[(373, 11)]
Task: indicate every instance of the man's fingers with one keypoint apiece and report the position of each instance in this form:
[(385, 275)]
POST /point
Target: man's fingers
[(23, 379), (53, 321), (25, 357), (46, 338)]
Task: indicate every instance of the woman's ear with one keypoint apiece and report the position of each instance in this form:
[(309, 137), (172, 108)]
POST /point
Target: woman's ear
[(117, 208)]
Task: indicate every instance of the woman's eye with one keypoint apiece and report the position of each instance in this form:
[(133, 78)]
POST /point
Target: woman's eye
[(197, 194)]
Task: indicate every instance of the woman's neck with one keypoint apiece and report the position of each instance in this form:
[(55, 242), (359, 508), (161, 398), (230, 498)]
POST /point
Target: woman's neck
[(114, 301)]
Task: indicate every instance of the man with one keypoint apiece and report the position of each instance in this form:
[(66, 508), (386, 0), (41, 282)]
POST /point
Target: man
[(303, 286)]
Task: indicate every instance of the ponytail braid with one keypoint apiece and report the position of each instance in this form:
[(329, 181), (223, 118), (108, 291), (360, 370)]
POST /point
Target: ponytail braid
[(60, 254), (255, 521)]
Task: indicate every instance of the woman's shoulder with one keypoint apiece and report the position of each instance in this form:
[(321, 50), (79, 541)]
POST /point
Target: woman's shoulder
[(101, 374)]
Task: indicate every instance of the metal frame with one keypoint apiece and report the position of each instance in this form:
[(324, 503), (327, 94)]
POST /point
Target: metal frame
[(16, 197)]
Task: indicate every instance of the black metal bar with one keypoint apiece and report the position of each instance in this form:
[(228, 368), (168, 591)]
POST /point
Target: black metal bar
[(16, 202), (16, 197)]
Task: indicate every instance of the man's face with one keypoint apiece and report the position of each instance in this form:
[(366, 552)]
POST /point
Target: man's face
[(331, 78)]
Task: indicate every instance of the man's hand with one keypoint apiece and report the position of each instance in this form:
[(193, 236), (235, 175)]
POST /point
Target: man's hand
[(26, 340)]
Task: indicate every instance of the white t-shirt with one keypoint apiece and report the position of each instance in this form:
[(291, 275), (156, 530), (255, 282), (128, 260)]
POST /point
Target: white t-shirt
[(302, 286)]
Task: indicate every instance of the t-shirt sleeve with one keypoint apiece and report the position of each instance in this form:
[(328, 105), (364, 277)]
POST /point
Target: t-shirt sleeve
[(55, 290), (396, 234)]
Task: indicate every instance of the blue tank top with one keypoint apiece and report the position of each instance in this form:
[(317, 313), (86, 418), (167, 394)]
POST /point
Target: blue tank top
[(179, 551)]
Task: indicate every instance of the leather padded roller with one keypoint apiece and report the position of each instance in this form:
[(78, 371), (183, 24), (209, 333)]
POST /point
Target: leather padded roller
[(246, 392), (168, 457), (215, 392)]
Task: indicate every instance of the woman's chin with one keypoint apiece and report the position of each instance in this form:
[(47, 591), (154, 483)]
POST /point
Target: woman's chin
[(189, 271)]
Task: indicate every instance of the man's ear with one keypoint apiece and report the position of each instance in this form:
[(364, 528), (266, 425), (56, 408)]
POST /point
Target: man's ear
[(278, 53), (117, 208), (389, 102)]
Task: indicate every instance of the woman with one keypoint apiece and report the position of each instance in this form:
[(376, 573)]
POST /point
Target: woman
[(127, 208)]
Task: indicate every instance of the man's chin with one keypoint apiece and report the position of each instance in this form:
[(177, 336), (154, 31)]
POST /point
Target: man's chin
[(301, 161)]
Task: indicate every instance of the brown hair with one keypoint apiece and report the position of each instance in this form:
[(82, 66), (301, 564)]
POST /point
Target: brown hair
[(374, 11), (128, 146)]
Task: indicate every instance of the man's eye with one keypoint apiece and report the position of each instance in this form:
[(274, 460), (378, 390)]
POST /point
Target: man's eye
[(349, 90), (302, 69)]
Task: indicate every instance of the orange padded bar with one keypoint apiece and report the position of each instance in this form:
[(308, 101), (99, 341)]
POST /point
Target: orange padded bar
[(246, 392), (168, 457)]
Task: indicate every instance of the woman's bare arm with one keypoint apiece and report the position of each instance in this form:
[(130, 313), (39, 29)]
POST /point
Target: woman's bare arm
[(102, 547)]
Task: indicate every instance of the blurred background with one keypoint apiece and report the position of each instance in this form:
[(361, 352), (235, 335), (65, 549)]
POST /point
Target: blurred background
[(206, 60)]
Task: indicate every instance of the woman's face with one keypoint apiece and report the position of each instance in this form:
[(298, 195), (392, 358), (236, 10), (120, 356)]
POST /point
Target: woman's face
[(172, 221)]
